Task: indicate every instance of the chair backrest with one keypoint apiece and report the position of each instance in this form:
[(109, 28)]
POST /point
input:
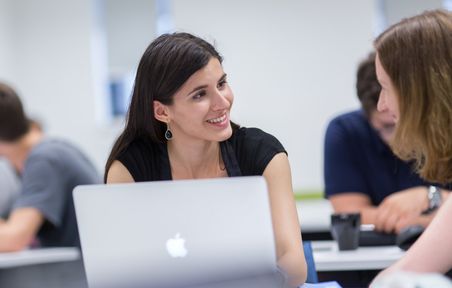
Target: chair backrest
[(312, 272)]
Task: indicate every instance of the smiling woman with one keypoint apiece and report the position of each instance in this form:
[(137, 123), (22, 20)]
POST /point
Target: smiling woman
[(200, 107), (178, 127), (414, 67)]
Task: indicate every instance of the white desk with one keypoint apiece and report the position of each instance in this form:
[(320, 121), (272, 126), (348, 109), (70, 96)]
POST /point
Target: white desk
[(327, 257), (38, 256), (49, 267), (314, 215)]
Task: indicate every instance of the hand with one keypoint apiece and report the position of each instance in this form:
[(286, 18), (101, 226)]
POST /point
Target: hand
[(412, 220), (400, 208)]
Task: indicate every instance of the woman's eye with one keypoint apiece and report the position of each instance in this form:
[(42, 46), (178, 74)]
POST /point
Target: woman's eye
[(199, 95), (222, 83)]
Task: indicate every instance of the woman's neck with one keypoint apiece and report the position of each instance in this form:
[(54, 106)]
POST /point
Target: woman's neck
[(197, 160)]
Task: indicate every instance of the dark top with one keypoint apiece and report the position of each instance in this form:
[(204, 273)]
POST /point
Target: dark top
[(357, 160), (51, 172), (247, 152)]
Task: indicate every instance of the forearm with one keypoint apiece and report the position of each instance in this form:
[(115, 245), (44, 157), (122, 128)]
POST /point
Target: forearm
[(20, 229), (294, 266), (288, 240), (11, 240), (368, 215), (354, 202), (429, 253)]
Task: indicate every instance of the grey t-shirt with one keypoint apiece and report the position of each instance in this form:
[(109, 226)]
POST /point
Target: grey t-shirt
[(9, 187), (52, 170)]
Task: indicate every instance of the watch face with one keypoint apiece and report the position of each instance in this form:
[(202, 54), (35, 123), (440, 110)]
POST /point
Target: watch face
[(434, 195), (437, 199)]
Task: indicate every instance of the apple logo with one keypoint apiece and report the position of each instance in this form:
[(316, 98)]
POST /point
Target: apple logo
[(176, 247)]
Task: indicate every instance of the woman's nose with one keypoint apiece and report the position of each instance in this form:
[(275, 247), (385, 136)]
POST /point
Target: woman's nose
[(221, 101), (381, 104)]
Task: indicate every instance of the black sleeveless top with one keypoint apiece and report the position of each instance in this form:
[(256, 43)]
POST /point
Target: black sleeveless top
[(246, 153)]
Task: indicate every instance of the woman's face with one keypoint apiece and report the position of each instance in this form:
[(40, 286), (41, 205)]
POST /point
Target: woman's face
[(201, 107), (388, 97), (384, 124)]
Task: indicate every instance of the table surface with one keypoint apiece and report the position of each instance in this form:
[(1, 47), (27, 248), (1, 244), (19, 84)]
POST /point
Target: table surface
[(327, 257), (314, 215), (38, 256)]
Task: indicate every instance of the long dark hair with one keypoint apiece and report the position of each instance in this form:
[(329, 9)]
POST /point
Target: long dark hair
[(164, 67)]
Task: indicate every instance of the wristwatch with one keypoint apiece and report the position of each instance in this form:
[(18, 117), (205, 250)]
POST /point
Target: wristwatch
[(434, 199)]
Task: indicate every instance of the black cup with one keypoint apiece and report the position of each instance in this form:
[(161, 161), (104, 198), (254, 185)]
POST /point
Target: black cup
[(345, 230)]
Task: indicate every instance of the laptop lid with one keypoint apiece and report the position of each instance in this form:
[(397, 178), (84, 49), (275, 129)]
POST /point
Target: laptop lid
[(175, 233)]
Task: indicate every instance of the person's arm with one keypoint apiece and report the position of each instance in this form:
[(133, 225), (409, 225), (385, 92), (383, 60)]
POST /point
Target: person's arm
[(10, 187), (285, 220), (404, 208), (40, 200), (19, 230), (118, 173), (413, 220), (431, 252), (351, 202), (399, 210)]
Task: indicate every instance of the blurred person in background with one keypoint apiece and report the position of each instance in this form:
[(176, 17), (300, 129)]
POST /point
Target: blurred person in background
[(361, 172), (179, 127), (10, 182), (414, 68), (9, 187), (48, 169)]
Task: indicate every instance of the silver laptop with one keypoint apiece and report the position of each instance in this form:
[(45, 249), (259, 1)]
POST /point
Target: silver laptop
[(185, 233)]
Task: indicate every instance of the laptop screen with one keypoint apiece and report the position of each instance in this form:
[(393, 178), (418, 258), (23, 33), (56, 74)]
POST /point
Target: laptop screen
[(175, 233)]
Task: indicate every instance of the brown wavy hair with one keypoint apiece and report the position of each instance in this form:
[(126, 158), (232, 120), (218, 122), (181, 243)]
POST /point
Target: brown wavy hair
[(416, 53)]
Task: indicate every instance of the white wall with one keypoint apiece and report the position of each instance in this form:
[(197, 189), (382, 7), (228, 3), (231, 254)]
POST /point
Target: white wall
[(130, 28), (53, 71), (291, 64), (396, 10), (5, 36)]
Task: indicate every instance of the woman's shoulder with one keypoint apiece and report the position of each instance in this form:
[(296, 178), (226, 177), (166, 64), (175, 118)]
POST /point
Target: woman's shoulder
[(354, 121), (253, 139), (351, 127), (143, 159), (140, 148), (250, 136), (253, 149)]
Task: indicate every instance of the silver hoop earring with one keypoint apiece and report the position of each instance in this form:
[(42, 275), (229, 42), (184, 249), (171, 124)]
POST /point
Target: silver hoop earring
[(168, 133)]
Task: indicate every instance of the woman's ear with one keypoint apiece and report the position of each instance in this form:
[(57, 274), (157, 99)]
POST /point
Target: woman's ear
[(161, 112)]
